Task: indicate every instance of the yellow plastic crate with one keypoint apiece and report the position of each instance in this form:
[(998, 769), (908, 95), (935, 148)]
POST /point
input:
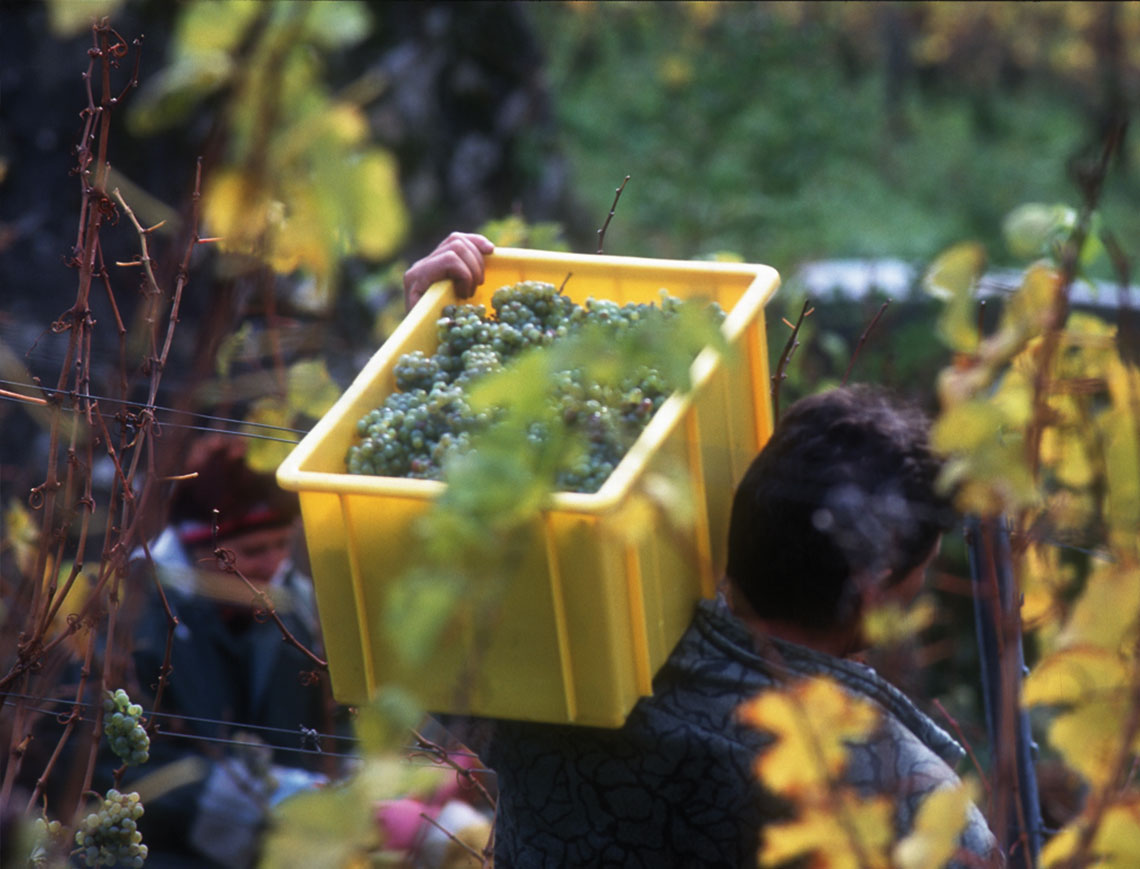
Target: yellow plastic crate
[(592, 614)]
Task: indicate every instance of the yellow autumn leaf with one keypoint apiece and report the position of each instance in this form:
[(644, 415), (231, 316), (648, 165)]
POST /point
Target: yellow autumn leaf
[(952, 277), (1059, 848), (812, 721), (1013, 398), (937, 827), (21, 535), (844, 833), (77, 596), (1117, 841), (1106, 613), (1074, 675), (1122, 506), (891, 623), (346, 123), (381, 216), (268, 446), (1088, 738), (1043, 577), (234, 210), (1123, 383), (987, 458), (1115, 844), (304, 237), (1064, 451), (1029, 308)]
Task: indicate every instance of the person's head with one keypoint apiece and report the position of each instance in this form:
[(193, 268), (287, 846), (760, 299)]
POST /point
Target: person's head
[(255, 517), (842, 496)]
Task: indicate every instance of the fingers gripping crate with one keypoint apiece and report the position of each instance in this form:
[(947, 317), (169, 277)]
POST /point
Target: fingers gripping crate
[(591, 614)]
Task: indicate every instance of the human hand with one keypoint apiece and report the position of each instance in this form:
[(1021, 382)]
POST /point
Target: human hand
[(458, 257)]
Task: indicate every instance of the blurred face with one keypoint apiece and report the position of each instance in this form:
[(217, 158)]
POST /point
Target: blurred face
[(258, 554)]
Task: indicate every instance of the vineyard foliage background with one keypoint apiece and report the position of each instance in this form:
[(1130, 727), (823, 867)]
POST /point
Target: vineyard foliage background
[(259, 175)]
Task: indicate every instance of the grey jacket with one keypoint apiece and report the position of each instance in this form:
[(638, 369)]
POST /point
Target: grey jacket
[(674, 787)]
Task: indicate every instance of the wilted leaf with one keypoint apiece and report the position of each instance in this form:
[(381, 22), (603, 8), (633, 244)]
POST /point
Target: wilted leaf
[(812, 721), (937, 827)]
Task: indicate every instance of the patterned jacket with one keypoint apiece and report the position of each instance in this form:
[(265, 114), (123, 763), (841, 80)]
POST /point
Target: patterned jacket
[(674, 787)]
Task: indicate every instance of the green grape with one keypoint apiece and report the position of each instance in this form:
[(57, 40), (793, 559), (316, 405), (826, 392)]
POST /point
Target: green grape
[(416, 371), (126, 736), (428, 419), (49, 844), (110, 836)]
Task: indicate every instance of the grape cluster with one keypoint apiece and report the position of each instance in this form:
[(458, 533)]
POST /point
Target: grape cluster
[(49, 843), (126, 736), (110, 836), (428, 417)]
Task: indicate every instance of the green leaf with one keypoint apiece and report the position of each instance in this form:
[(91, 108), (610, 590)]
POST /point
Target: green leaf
[(1031, 230), (311, 391), (67, 18), (169, 96), (338, 24), (264, 454), (418, 608), (230, 347)]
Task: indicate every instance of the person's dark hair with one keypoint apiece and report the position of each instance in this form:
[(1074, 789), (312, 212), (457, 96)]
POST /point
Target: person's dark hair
[(246, 500), (845, 486)]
